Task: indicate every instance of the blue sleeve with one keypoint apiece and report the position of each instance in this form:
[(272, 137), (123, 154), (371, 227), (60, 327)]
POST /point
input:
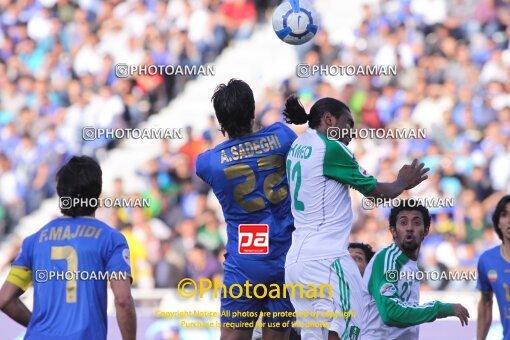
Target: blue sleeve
[(202, 167), (290, 135), (483, 283), (24, 258), (118, 258)]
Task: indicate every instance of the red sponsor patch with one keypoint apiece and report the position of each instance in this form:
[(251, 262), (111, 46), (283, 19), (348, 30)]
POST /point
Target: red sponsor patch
[(253, 238)]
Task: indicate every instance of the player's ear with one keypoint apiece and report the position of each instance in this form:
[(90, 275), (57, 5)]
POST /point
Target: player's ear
[(393, 231), (329, 119), (426, 231)]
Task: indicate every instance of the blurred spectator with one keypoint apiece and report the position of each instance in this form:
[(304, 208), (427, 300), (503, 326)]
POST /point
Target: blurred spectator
[(57, 75), (201, 264)]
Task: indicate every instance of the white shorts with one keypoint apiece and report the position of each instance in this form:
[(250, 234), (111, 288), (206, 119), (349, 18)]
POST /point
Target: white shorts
[(340, 311)]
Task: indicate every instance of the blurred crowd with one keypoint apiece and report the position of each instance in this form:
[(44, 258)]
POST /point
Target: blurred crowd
[(453, 79), (57, 75)]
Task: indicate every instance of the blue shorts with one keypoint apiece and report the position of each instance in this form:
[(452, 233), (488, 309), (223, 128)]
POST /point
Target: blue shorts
[(245, 310)]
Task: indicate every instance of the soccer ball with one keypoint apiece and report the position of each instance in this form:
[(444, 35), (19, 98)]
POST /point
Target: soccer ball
[(295, 21)]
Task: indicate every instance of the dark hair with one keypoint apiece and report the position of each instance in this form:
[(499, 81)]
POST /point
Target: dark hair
[(80, 178), (235, 108), (367, 249), (409, 205), (500, 207), (295, 113)]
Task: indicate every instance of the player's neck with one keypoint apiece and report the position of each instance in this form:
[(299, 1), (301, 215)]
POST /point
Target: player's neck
[(505, 250), (84, 216), (322, 130), (411, 254), (243, 135)]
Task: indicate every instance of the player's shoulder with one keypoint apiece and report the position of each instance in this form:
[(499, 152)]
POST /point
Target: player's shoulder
[(490, 254), (202, 158), (386, 258), (275, 127), (335, 147), (107, 229), (55, 222), (280, 129), (110, 237), (310, 137), (205, 154), (30, 240), (382, 262)]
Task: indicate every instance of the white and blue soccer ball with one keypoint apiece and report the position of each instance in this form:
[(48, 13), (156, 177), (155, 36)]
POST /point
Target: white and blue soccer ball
[(295, 21)]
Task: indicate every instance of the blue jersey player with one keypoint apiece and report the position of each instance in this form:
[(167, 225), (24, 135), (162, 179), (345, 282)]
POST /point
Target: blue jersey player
[(247, 175), (69, 262), (494, 274)]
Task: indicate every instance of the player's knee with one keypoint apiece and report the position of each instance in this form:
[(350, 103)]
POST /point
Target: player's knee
[(232, 334), (124, 302)]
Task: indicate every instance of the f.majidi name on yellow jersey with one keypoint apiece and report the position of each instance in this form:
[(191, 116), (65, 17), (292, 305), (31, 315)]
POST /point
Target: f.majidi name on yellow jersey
[(250, 148), (65, 233)]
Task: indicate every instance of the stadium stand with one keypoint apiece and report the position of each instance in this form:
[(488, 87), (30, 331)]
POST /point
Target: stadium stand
[(56, 76)]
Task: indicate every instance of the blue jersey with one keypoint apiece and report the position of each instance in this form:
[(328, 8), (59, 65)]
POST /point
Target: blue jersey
[(494, 276), (248, 177), (71, 260)]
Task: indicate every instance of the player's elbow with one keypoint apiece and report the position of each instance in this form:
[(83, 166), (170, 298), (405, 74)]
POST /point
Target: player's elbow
[(4, 302), (124, 302), (485, 310), (388, 320)]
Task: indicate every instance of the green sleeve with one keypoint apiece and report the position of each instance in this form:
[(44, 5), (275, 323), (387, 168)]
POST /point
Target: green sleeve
[(340, 165), (393, 310)]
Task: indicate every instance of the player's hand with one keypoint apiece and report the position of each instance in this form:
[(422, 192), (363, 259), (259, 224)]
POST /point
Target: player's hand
[(413, 174), (461, 312)]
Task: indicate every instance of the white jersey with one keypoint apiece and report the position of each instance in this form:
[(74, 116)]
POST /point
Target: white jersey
[(391, 296), (319, 173)]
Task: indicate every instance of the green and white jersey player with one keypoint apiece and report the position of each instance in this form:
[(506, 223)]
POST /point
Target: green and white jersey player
[(390, 289), (320, 170)]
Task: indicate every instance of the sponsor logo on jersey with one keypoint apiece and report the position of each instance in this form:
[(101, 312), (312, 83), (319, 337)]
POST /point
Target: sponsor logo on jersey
[(253, 238), (363, 172), (125, 256), (354, 333), (388, 289), (492, 275)]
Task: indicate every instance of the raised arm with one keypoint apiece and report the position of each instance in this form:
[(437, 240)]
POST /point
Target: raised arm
[(408, 177)]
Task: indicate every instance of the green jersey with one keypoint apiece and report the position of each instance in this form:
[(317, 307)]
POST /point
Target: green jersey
[(320, 172), (391, 295)]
